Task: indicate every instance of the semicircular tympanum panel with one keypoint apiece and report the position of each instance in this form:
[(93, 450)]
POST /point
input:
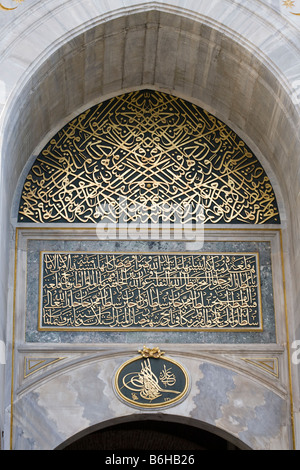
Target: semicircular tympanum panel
[(147, 156)]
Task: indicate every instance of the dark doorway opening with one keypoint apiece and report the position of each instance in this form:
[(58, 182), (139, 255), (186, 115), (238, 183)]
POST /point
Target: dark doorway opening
[(151, 435)]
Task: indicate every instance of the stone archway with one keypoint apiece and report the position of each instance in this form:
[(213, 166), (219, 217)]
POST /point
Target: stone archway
[(264, 119)]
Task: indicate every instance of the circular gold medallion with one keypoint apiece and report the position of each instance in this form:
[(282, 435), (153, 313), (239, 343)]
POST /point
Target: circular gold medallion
[(150, 382)]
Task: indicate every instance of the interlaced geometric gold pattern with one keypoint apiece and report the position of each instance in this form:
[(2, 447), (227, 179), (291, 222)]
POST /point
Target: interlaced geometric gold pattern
[(147, 157)]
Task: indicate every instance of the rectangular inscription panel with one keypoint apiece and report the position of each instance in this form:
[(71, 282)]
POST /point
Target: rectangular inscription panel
[(153, 291)]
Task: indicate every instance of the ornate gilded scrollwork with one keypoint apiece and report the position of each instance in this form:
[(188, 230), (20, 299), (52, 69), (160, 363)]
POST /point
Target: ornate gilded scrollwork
[(147, 157)]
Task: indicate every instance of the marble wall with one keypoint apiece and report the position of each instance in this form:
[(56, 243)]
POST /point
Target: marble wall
[(80, 397)]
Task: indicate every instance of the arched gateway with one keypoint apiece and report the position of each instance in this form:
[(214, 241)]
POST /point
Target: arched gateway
[(149, 290), (136, 180)]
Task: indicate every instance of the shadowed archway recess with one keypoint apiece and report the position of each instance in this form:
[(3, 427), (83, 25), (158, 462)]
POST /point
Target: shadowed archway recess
[(150, 435), (147, 156)]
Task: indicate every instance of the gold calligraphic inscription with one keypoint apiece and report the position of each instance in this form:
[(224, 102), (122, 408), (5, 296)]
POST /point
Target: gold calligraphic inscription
[(151, 383), (134, 291), (147, 157)]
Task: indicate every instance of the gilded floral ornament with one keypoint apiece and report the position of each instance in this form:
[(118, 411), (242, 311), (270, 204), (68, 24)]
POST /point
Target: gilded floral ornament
[(2, 7), (290, 4), (154, 352)]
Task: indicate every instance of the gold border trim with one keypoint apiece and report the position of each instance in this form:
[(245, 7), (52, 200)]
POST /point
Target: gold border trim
[(2, 7), (288, 343), (42, 364), (13, 337)]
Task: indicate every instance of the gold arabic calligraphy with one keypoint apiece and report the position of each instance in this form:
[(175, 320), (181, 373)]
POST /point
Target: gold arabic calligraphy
[(146, 383), (147, 157), (142, 291)]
